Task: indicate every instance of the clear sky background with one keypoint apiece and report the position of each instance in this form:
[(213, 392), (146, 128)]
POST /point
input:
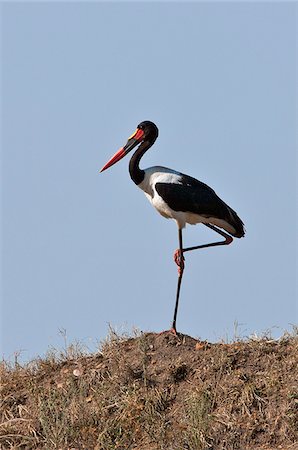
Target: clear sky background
[(82, 249)]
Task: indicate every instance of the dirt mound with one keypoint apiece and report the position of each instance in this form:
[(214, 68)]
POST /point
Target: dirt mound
[(156, 392)]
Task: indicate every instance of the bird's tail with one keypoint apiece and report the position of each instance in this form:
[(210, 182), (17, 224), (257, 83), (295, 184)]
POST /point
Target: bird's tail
[(237, 224)]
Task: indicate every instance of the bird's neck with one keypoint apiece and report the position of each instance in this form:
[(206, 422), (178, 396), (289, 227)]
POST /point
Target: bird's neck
[(136, 174)]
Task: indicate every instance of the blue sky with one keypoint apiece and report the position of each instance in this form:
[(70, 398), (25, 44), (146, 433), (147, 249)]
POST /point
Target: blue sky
[(82, 250)]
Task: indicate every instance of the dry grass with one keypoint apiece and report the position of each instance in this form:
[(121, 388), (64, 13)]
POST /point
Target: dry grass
[(154, 392)]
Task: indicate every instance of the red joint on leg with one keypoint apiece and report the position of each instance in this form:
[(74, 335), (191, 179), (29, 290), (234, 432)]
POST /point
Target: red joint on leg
[(180, 269), (179, 260), (177, 257)]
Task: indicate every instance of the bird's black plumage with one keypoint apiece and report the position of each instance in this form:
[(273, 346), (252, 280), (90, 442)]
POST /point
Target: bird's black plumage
[(191, 195)]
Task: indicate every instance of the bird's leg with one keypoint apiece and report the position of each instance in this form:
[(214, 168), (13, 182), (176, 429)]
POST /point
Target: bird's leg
[(178, 255), (179, 260), (227, 241)]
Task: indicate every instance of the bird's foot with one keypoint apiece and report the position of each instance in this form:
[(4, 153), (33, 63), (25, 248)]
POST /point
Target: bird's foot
[(171, 331), (179, 260)]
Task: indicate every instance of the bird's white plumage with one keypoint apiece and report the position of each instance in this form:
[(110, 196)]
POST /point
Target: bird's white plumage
[(159, 174)]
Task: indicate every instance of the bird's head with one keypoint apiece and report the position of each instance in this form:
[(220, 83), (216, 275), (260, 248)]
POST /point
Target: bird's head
[(150, 131), (146, 132)]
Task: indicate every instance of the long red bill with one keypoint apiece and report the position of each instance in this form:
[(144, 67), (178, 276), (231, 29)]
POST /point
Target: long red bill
[(118, 155)]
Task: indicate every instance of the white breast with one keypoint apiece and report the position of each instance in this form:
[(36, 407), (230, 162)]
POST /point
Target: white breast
[(158, 174)]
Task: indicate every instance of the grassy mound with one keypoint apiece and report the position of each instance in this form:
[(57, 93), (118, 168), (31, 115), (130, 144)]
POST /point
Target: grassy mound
[(155, 392)]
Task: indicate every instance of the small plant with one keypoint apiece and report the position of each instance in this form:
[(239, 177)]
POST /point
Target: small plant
[(198, 417), (144, 349)]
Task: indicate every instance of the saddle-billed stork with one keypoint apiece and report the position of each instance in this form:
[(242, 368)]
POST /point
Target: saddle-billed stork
[(179, 197)]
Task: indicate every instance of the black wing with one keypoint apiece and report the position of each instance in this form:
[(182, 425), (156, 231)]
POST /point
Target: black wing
[(196, 197)]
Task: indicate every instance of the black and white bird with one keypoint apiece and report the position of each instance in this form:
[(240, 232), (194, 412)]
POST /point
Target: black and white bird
[(178, 196)]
